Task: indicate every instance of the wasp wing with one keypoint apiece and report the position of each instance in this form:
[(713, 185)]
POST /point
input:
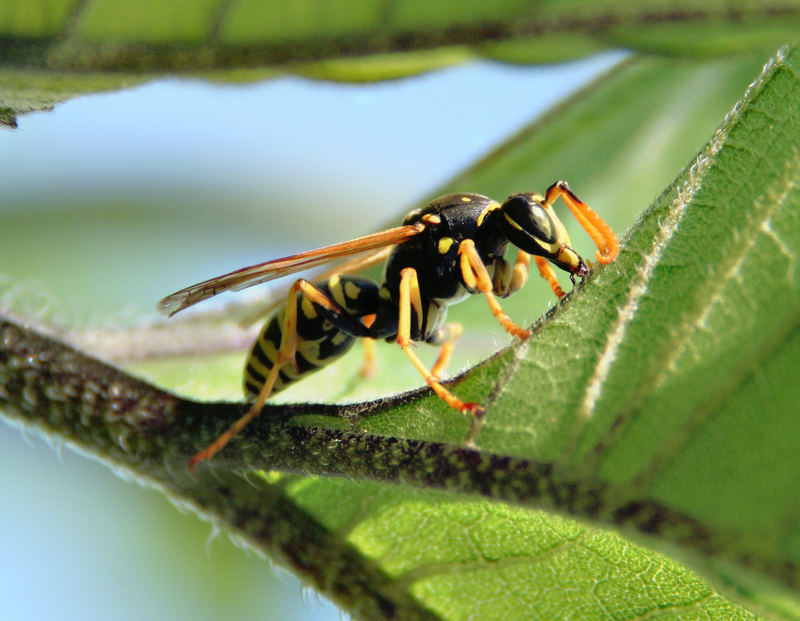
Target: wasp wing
[(264, 272), (355, 264)]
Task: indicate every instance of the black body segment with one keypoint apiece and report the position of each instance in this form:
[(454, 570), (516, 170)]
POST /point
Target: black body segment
[(434, 252)]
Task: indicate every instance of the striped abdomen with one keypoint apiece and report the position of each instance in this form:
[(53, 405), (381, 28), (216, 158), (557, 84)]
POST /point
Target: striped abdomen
[(321, 338)]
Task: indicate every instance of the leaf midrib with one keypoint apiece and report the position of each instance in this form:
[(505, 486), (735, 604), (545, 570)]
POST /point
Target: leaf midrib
[(764, 206)]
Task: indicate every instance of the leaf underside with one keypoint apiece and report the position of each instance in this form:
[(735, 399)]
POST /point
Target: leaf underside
[(51, 51)]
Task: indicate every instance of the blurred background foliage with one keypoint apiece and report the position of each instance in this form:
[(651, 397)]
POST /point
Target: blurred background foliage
[(112, 200)]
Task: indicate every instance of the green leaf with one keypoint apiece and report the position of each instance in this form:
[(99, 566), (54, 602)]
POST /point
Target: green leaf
[(44, 43), (661, 394), (670, 378), (658, 398)]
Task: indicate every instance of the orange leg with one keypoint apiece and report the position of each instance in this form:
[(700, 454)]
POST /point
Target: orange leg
[(547, 272), (446, 337), (520, 273), (409, 295), (476, 276), (370, 366), (286, 354), (508, 279), (602, 234)]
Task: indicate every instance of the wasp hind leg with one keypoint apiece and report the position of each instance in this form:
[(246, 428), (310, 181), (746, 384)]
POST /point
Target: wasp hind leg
[(410, 296), (286, 354)]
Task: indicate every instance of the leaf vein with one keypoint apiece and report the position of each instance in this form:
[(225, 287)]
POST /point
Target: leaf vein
[(627, 312)]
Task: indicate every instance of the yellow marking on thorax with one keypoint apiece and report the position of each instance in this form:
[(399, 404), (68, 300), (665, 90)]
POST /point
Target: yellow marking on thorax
[(335, 285), (466, 199), (430, 218), (445, 243), (490, 207), (351, 289)]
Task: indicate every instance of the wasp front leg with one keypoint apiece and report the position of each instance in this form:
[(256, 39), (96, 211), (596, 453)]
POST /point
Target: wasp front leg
[(508, 278), (445, 337), (547, 272), (476, 277)]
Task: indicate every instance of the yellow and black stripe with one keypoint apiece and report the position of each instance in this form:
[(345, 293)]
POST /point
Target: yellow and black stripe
[(322, 335)]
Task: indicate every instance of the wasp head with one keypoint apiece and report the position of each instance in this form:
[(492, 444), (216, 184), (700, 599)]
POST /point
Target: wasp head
[(532, 225)]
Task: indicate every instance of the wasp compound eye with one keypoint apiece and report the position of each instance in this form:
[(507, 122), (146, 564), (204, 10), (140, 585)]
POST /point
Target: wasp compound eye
[(524, 212), (527, 225)]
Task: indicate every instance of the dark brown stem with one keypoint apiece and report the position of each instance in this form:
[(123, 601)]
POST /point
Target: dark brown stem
[(153, 433)]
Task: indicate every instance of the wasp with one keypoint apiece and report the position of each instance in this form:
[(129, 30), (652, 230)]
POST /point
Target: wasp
[(450, 249)]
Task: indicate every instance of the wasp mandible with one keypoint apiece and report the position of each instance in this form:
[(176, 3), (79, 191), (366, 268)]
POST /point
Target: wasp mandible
[(450, 249)]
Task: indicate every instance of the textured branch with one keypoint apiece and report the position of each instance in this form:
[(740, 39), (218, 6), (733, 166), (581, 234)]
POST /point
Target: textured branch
[(146, 431), (152, 433), (105, 411)]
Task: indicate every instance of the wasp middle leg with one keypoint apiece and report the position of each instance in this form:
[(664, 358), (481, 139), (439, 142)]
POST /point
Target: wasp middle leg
[(410, 297)]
